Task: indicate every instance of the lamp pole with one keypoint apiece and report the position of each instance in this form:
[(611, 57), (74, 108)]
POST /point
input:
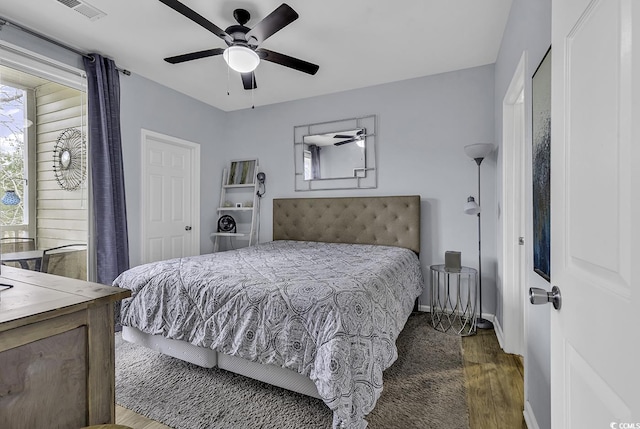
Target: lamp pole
[(481, 322)]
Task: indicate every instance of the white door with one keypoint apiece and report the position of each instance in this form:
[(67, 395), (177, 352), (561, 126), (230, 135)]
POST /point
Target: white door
[(595, 206), (512, 265), (170, 170)]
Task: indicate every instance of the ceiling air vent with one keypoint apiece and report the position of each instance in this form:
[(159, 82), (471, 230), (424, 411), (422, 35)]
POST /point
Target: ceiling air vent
[(83, 8)]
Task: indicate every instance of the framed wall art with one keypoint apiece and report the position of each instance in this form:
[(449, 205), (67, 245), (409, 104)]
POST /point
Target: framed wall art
[(541, 168), (242, 172)]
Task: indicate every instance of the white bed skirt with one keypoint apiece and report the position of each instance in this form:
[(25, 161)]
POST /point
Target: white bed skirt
[(208, 358)]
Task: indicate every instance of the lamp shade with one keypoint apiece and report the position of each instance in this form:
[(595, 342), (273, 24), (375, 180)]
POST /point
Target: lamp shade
[(471, 207), (241, 58), (10, 198), (478, 150)]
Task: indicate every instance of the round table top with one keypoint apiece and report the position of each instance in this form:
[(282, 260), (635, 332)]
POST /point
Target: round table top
[(463, 270)]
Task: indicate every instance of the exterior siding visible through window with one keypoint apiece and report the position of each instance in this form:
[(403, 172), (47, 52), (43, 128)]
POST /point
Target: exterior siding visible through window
[(34, 112), (62, 215)]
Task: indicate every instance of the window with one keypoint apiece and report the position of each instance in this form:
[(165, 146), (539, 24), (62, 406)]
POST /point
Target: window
[(40, 100), (14, 162)]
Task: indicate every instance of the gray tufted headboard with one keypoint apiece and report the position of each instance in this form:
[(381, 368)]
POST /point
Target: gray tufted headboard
[(391, 221)]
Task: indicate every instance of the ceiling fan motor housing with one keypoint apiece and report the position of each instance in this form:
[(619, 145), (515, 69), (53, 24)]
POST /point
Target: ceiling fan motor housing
[(238, 34), (242, 16)]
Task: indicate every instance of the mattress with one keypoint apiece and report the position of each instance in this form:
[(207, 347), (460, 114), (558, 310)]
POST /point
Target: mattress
[(329, 311)]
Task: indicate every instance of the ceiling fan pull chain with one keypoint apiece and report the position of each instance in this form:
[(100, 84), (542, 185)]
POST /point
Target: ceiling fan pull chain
[(228, 79), (253, 88)]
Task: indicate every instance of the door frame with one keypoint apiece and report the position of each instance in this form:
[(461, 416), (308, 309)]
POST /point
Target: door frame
[(147, 136), (512, 331)]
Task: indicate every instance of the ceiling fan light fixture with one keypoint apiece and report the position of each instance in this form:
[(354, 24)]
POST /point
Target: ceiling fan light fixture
[(241, 58)]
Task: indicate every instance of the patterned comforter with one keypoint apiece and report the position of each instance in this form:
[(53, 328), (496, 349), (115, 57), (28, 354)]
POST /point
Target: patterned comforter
[(329, 311)]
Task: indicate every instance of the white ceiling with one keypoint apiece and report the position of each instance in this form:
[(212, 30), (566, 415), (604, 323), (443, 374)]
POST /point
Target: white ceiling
[(356, 43)]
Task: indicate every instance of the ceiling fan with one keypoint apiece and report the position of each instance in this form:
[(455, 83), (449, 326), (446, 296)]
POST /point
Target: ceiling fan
[(350, 138), (242, 53)]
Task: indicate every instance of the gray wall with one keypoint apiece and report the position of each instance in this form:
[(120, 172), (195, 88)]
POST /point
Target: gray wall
[(423, 125), (148, 105), (528, 29)]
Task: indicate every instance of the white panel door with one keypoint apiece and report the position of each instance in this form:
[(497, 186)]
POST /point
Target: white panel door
[(169, 230), (595, 172)]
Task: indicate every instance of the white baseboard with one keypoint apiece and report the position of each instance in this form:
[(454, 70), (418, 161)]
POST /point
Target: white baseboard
[(529, 417), (499, 332)]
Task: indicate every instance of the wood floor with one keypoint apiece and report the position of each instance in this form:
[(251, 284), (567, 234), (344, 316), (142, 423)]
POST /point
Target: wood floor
[(494, 380), (136, 421)]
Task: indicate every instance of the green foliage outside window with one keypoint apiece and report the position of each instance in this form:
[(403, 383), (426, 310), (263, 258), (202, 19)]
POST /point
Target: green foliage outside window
[(12, 146)]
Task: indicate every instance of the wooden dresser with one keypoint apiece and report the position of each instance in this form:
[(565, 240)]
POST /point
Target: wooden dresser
[(56, 351)]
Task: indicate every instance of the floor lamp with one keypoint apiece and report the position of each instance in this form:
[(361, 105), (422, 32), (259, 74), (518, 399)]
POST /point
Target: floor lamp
[(478, 152)]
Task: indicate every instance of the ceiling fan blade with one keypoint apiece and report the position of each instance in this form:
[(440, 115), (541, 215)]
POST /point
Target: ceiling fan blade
[(357, 135), (347, 141), (194, 55), (287, 61), (249, 80), (272, 23), (197, 18)]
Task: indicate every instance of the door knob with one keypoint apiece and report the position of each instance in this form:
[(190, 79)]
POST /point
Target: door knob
[(187, 228), (540, 296)]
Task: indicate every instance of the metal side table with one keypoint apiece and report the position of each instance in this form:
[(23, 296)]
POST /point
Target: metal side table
[(453, 299)]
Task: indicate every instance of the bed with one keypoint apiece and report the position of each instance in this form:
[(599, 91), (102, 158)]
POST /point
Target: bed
[(317, 310)]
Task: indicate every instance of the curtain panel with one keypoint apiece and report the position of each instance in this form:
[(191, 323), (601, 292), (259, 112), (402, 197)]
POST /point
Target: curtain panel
[(315, 161), (107, 170)]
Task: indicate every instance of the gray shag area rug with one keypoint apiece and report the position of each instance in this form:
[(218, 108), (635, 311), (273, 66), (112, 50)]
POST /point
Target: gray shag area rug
[(424, 388)]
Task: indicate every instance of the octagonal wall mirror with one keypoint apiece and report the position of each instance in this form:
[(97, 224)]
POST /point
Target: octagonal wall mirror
[(335, 155)]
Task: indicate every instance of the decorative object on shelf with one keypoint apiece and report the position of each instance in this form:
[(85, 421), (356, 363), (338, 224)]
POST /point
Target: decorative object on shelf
[(452, 260), (227, 204), (10, 198), (541, 167), (69, 159), (248, 204), (242, 172), (238, 205), (478, 152), (226, 223)]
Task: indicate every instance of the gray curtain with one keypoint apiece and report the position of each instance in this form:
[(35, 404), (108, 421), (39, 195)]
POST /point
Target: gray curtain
[(315, 161), (107, 172)]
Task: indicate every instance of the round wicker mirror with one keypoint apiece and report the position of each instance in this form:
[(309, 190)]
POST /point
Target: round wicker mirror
[(69, 159)]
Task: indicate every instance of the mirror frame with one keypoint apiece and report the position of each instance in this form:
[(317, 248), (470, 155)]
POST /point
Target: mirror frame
[(365, 178)]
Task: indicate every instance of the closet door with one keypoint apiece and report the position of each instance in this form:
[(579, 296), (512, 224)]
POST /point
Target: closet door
[(170, 198)]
